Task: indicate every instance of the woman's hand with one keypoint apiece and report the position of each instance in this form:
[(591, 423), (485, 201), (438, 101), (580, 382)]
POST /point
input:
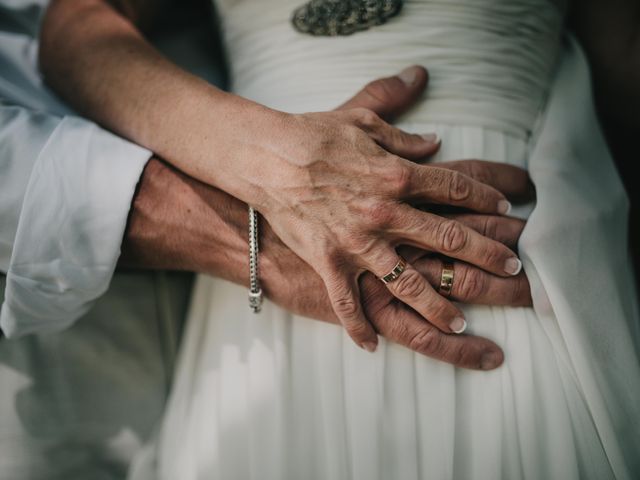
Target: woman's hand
[(175, 220), (291, 283), (336, 196), (334, 185)]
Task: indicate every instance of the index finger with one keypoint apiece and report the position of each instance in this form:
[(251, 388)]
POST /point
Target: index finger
[(513, 181), (449, 187)]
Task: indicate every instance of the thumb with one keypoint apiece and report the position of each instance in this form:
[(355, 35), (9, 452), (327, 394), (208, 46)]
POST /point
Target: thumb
[(391, 96)]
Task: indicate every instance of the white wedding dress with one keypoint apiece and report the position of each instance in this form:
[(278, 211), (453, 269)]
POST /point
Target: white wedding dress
[(276, 396)]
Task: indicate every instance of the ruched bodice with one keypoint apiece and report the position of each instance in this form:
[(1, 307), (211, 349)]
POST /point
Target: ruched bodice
[(490, 61)]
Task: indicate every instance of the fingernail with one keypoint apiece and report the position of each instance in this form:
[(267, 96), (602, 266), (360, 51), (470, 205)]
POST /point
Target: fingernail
[(490, 360), (369, 346), (431, 138), (458, 325), (513, 266), (409, 75), (504, 207)]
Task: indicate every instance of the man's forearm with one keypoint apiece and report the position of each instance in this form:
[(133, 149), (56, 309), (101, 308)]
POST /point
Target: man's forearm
[(178, 223)]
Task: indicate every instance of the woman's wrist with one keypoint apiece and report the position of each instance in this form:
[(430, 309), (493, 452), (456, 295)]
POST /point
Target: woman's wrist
[(244, 144)]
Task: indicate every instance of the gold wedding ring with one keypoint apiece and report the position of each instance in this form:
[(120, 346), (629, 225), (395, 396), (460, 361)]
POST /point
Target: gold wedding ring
[(446, 279), (395, 272)]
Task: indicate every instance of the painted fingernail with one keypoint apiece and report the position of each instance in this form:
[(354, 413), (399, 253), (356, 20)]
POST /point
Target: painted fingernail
[(490, 360), (458, 325), (369, 346), (409, 75), (513, 266), (504, 207), (431, 138)]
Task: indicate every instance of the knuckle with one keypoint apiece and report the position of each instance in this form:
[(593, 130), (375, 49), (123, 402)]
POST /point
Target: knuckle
[(404, 139), (480, 171), (493, 255), (451, 236), (380, 91), (396, 330), (459, 187), (410, 285), (455, 355), (399, 181), (344, 302), (471, 284), (380, 214), (352, 134), (461, 166), (346, 308), (439, 310), (366, 117), (360, 246), (357, 330), (427, 341), (490, 227), (375, 298)]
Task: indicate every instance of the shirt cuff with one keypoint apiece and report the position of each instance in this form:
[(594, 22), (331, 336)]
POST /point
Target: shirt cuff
[(71, 227)]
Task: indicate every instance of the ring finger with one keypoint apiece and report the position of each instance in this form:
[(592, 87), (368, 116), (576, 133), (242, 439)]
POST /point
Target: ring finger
[(473, 285), (410, 287)]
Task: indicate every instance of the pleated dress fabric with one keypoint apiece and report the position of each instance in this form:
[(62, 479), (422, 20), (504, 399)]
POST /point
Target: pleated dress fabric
[(277, 396)]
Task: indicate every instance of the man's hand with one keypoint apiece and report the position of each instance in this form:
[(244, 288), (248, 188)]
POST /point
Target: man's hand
[(180, 223)]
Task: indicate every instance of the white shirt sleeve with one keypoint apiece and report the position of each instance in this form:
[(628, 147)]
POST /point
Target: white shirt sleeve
[(66, 187)]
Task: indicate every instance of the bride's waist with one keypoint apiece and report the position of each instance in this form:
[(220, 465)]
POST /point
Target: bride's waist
[(490, 63), (485, 100)]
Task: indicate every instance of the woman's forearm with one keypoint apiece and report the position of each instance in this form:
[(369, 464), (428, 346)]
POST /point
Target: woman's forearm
[(101, 64)]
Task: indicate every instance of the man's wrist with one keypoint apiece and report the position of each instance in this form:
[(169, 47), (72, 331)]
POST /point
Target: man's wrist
[(178, 223)]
